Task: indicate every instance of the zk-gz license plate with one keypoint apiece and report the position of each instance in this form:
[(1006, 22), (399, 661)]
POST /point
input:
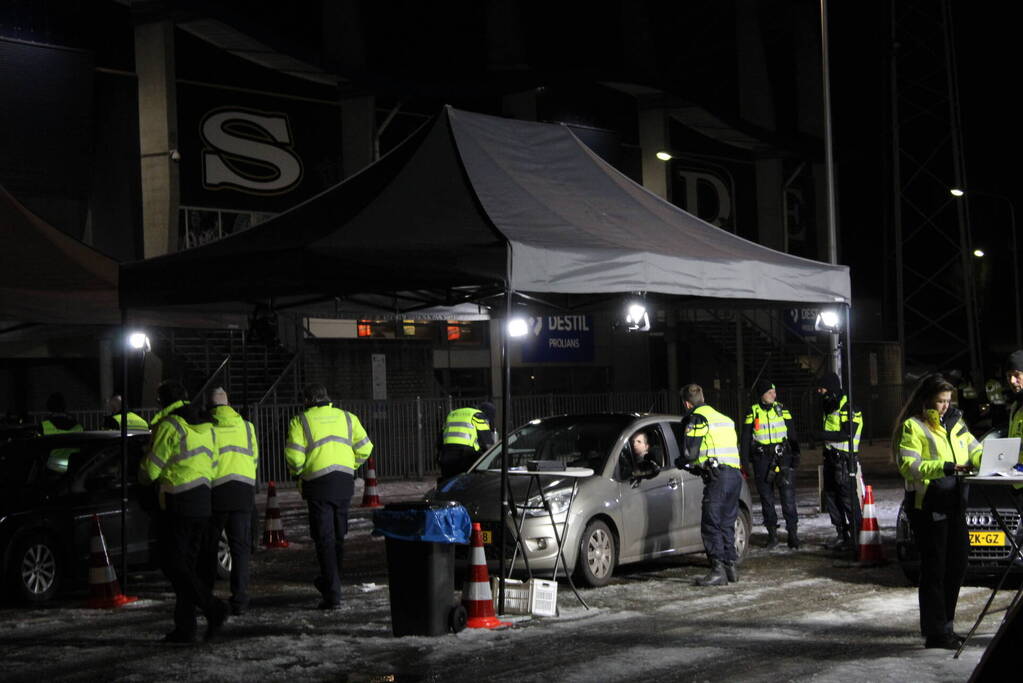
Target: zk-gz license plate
[(987, 538)]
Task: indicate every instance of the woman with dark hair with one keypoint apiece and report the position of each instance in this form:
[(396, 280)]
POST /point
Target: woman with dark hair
[(931, 447)]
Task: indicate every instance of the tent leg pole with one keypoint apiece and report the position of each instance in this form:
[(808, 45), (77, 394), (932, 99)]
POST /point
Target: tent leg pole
[(124, 448), (505, 423)]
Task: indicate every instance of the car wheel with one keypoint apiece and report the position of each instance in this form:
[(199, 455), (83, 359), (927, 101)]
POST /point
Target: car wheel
[(35, 569), (223, 557), (598, 555), (743, 527)]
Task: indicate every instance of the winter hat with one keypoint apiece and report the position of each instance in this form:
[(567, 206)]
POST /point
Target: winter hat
[(218, 397), (830, 381), (761, 387), (490, 410), (1015, 361)]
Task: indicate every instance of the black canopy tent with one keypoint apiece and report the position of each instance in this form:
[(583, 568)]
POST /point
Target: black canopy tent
[(476, 208)]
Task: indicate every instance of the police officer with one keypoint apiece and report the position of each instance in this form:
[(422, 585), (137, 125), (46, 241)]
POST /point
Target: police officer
[(467, 431), (931, 446), (711, 450), (58, 421), (180, 459), (233, 496), (113, 420), (840, 464), (325, 446), (768, 442)]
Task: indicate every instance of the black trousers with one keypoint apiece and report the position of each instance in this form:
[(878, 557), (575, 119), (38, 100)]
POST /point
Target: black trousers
[(328, 524), (720, 508), (840, 496), (786, 492), (944, 545), (455, 459), (238, 524), (181, 542)]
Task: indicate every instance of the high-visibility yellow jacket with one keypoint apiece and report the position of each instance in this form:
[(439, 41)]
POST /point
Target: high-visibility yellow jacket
[(837, 421), (49, 426), (237, 448), (134, 421), (323, 440), (462, 427), (925, 447), (768, 425), (716, 434), (60, 424), (180, 460)]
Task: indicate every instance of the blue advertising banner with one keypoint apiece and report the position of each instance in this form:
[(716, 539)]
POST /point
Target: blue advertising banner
[(559, 339)]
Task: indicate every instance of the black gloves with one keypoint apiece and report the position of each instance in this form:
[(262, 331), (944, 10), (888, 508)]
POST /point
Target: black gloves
[(950, 469)]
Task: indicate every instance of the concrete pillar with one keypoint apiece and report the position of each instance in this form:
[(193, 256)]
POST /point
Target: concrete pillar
[(158, 136), (653, 138), (770, 203), (358, 133)]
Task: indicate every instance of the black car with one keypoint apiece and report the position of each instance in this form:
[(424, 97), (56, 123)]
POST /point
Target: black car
[(50, 488)]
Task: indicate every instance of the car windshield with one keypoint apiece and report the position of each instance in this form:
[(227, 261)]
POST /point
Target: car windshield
[(576, 441)]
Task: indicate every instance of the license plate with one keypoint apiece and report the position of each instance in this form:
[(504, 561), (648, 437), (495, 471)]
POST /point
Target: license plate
[(488, 537), (987, 538)]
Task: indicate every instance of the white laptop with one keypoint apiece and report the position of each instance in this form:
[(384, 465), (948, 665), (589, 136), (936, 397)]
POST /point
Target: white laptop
[(1000, 455)]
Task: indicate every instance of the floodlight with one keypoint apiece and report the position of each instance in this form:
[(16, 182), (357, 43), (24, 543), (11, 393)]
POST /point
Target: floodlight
[(517, 327), (139, 341), (956, 192), (979, 253), (637, 319), (827, 321), (663, 156)]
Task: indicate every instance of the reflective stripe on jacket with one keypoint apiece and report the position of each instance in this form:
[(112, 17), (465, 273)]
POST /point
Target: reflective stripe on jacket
[(237, 448), (837, 421), (719, 440), (180, 455), (768, 426), (924, 449), (325, 439), (50, 428), (462, 427)]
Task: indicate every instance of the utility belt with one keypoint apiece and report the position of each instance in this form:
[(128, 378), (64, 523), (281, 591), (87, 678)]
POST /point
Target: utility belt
[(849, 460), (779, 461)]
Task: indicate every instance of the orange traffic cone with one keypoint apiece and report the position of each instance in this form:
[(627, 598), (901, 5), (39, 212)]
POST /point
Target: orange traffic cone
[(476, 596), (370, 497), (871, 552), (273, 532), (103, 586)]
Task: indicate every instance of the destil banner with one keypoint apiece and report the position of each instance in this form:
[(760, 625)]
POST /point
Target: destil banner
[(251, 151), (559, 339)]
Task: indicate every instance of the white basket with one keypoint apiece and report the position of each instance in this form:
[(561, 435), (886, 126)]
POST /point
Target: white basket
[(538, 597), (516, 596), (543, 599)]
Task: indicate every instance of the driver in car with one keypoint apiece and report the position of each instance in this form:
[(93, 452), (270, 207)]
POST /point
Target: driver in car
[(644, 462)]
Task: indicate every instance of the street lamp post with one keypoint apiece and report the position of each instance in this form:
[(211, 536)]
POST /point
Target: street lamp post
[(957, 192)]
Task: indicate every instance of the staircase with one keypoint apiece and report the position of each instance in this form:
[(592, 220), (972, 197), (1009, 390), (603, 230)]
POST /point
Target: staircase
[(792, 366), (197, 354)]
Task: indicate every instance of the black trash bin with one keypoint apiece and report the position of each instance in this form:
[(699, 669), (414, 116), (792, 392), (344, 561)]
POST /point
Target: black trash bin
[(421, 565)]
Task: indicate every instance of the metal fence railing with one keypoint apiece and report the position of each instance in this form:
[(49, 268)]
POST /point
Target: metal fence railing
[(404, 431)]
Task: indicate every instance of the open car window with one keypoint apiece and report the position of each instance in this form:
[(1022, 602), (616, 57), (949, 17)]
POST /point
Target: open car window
[(646, 444), (576, 441)]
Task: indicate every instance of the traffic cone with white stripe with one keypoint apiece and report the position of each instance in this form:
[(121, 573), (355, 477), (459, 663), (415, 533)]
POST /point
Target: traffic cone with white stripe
[(476, 596), (871, 552), (273, 532), (103, 585), (370, 496)]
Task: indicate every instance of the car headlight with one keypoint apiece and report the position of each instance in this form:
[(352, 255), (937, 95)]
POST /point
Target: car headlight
[(558, 501)]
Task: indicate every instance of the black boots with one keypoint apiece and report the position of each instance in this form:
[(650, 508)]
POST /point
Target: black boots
[(793, 541), (841, 541), (772, 538), (716, 577), (731, 572)]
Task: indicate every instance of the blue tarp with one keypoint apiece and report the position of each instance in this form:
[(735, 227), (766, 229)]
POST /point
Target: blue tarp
[(430, 524)]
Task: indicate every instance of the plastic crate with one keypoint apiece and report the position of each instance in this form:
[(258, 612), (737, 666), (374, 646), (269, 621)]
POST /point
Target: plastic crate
[(516, 595), (543, 598)]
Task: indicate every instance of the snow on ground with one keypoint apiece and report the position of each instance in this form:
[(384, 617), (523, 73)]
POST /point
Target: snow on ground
[(794, 615)]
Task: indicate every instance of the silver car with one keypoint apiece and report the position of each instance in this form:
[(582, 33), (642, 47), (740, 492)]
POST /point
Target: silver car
[(625, 512)]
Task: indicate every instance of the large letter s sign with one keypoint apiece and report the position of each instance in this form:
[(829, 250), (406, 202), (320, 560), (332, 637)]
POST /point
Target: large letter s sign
[(248, 151)]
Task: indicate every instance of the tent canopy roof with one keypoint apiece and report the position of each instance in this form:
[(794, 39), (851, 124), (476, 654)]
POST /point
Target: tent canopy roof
[(463, 206)]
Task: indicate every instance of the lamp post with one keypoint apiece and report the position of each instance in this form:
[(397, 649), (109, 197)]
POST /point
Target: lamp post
[(137, 342), (958, 193)]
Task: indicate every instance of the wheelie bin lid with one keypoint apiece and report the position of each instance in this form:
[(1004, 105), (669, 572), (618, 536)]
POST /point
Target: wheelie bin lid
[(425, 522)]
